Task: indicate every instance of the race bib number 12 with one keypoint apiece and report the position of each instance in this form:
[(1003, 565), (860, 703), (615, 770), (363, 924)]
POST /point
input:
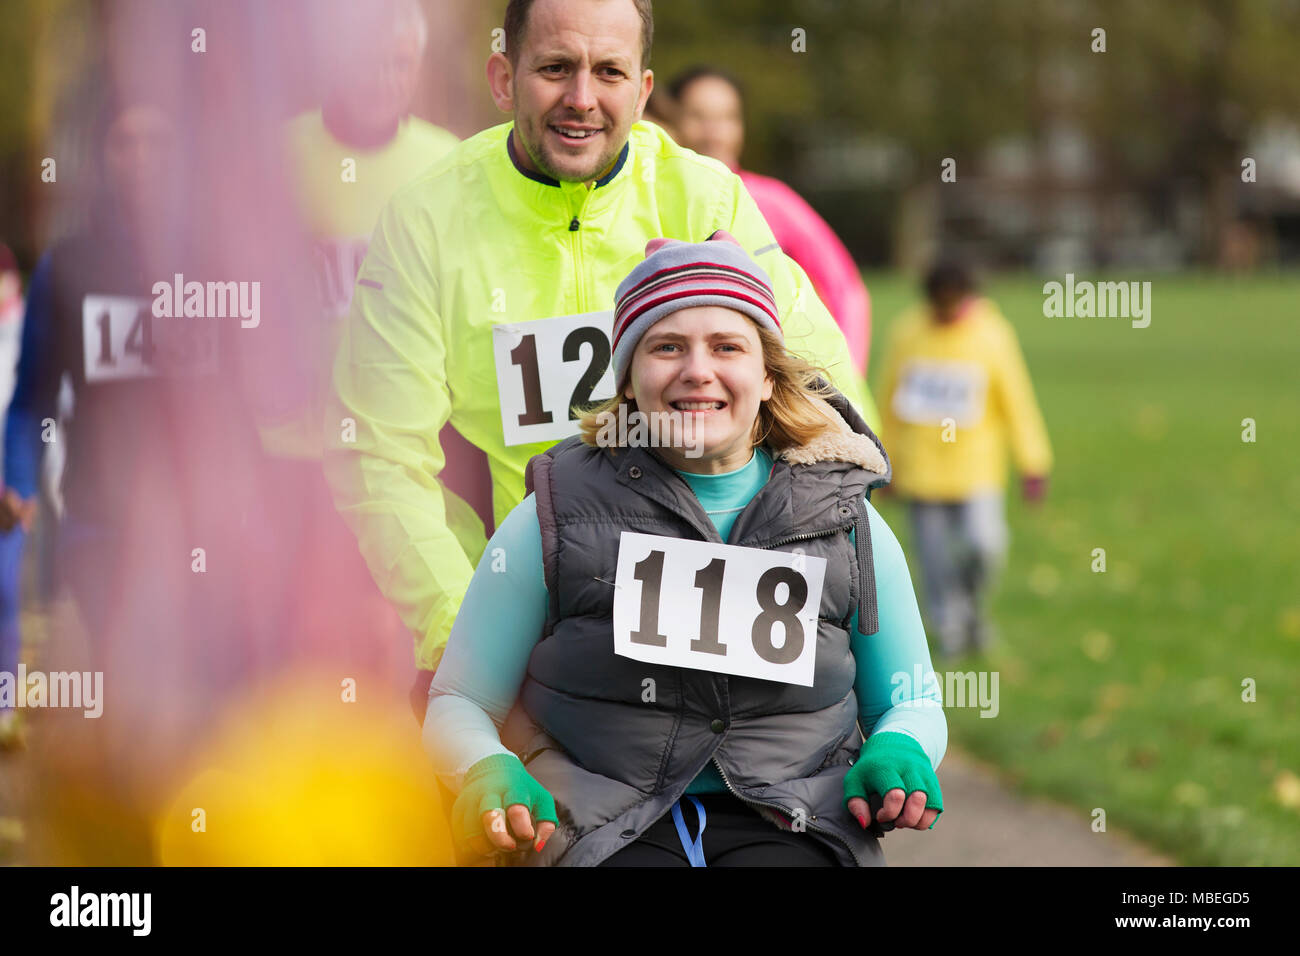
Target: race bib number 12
[(545, 368), (717, 607)]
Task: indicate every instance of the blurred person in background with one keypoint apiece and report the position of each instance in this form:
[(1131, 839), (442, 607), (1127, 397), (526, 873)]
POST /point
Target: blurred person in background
[(173, 543), (525, 221), (957, 394), (82, 288), (659, 110), (14, 519), (709, 109), (346, 159), (158, 488)]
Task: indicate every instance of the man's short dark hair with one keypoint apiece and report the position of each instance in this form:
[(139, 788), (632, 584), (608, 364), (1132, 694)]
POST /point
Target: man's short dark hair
[(948, 276), (683, 80), (517, 23)]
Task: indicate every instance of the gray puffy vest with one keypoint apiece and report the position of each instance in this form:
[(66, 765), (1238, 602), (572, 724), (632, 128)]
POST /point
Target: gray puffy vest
[(614, 761)]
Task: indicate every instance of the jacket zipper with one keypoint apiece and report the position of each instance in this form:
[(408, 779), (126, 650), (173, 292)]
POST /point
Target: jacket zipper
[(575, 242), (814, 534), (789, 813)]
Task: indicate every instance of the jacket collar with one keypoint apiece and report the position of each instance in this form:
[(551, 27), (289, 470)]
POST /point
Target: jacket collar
[(547, 180), (650, 476), (847, 438), (842, 440)]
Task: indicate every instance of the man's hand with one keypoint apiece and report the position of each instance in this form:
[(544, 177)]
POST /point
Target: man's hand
[(894, 766)]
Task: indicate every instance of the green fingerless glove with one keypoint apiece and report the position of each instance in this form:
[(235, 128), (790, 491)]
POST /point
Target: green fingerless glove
[(497, 783), (892, 761)]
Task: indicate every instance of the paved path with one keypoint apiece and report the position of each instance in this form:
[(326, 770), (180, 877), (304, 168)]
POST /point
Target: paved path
[(988, 825)]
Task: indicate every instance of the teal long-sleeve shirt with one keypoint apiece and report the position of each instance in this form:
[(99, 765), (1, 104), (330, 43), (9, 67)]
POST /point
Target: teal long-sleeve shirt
[(504, 613)]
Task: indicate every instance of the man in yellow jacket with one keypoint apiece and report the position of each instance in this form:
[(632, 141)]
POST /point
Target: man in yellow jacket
[(486, 296), (956, 394)]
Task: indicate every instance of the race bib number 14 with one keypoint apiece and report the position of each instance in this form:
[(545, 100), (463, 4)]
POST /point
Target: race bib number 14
[(122, 339), (545, 368), (717, 607)]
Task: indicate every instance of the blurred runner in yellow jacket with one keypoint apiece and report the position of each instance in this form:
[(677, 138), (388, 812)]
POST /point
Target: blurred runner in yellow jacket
[(347, 160), (956, 394)]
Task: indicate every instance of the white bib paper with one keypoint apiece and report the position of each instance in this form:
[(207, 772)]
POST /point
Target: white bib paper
[(122, 339), (717, 607), (929, 392), (546, 367)]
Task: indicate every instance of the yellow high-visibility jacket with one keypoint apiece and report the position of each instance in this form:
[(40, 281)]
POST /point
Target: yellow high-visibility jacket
[(953, 397), (474, 242)]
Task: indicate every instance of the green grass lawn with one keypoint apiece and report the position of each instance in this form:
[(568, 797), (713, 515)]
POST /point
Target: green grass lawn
[(1123, 690)]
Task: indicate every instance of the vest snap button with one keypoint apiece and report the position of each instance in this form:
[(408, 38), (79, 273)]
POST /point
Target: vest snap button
[(717, 726), (628, 834), (634, 472)]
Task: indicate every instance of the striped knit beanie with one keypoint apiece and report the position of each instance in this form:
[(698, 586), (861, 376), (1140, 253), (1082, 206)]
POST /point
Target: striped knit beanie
[(680, 275)]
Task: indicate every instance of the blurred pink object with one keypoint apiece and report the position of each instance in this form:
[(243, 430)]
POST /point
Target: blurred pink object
[(807, 239), (1034, 488)]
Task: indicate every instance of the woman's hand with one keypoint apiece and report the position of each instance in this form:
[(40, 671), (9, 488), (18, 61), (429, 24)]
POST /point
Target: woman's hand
[(500, 803), (894, 766)]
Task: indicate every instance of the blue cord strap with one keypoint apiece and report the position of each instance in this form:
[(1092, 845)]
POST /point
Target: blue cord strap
[(694, 849)]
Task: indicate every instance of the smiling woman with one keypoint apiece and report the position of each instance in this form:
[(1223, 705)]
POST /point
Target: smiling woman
[(577, 712), (574, 77)]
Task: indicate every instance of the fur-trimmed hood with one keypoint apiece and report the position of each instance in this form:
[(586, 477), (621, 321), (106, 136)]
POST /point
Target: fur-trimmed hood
[(847, 438)]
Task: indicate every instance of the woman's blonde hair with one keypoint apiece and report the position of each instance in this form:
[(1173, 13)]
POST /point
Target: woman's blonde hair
[(788, 419)]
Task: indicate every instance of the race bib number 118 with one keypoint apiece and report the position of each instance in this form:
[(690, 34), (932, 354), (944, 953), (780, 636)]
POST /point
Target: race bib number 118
[(717, 607)]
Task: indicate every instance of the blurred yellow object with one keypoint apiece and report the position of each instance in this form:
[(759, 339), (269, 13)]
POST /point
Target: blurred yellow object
[(12, 830), (298, 776), (13, 733), (1286, 789), (1289, 622), (1097, 645)]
